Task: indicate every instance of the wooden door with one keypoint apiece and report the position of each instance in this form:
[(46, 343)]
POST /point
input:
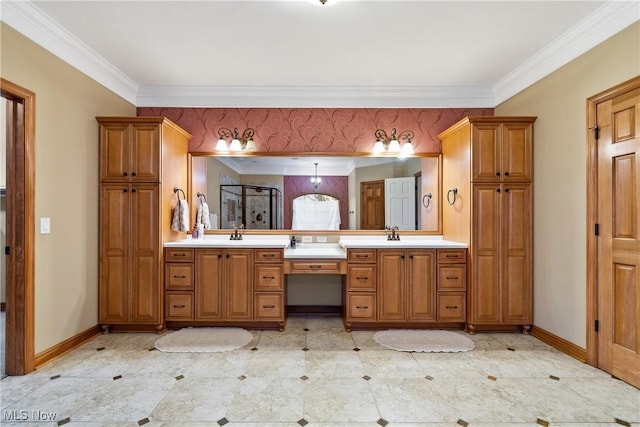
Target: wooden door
[(145, 152), (391, 284), (145, 257), (239, 284), (484, 289), (421, 284), (516, 246), (485, 146), (115, 229), (114, 152), (372, 205), (400, 202), (208, 284), (516, 163), (618, 244)]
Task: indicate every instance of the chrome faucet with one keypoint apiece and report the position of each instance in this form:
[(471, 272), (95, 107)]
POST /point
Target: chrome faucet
[(394, 233), (237, 233)]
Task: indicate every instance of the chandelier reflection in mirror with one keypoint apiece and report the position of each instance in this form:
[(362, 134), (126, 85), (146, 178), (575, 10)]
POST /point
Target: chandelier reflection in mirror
[(391, 144), (239, 142), (316, 180)]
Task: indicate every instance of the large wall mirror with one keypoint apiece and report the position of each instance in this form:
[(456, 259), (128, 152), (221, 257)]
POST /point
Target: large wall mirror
[(330, 192)]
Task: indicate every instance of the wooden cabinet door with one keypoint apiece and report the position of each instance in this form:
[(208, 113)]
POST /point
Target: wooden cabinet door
[(391, 284), (145, 152), (485, 146), (485, 277), (145, 254), (239, 284), (516, 271), (114, 152), (517, 152), (421, 284), (115, 225), (208, 284)]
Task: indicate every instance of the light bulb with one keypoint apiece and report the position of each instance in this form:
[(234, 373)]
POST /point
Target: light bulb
[(221, 145)]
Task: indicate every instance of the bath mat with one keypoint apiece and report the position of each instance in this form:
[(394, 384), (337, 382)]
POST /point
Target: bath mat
[(203, 340), (422, 340)]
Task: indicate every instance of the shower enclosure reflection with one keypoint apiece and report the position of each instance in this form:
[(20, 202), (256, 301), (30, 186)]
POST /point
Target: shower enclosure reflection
[(254, 207)]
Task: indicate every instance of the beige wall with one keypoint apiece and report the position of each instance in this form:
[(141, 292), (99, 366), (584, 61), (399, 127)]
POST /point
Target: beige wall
[(560, 155), (66, 153)]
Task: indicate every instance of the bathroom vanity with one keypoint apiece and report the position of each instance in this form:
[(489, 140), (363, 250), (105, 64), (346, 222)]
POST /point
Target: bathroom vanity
[(419, 281)]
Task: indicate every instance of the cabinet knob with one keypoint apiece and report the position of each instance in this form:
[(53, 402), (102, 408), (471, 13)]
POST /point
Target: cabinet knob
[(133, 190), (133, 174), (124, 190), (125, 174), (506, 190), (497, 190), (497, 173), (506, 174)]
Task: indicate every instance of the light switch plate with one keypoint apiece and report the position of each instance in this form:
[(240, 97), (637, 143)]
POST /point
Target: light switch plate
[(307, 239), (45, 225)]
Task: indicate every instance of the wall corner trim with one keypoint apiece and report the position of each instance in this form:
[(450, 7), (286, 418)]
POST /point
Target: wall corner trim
[(66, 346)]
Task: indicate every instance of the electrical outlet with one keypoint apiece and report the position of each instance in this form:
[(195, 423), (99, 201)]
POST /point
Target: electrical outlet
[(321, 239), (307, 239)]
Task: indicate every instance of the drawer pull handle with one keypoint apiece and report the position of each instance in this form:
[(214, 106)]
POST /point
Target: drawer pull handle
[(179, 306), (362, 307), (269, 306), (268, 277), (315, 267), (362, 256), (451, 256), (179, 277), (362, 279), (179, 254), (451, 307), (452, 277), (268, 255)]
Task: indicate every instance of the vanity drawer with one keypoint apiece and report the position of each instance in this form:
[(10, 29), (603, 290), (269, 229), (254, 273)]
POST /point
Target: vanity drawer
[(361, 255), (178, 277), (269, 277), (361, 278), (268, 255), (178, 305), (452, 256), (452, 277), (321, 266), (451, 307), (178, 255), (361, 306), (269, 306)]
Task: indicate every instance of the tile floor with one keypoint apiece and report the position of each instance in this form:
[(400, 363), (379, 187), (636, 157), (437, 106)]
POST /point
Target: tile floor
[(507, 380)]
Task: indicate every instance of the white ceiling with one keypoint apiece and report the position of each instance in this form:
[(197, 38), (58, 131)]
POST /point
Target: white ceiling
[(290, 53)]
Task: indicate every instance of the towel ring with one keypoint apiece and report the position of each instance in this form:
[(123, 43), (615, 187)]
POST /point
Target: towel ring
[(455, 196), (199, 194), (177, 190), (426, 200)]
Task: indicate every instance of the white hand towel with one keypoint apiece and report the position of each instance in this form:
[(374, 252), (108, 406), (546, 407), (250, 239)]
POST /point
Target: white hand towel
[(180, 220), (206, 221), (199, 211)]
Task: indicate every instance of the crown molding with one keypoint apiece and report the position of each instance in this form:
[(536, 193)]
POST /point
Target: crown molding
[(29, 20), (606, 21), (314, 97)]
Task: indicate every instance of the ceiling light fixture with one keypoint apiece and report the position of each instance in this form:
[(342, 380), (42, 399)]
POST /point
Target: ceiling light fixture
[(391, 144), (316, 180), (238, 142)]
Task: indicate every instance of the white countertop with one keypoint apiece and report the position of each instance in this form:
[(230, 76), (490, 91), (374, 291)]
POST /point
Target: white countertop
[(316, 251), (408, 242), (223, 241)]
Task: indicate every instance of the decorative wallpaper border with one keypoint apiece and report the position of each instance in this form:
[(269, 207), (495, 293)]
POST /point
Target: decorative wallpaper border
[(296, 130)]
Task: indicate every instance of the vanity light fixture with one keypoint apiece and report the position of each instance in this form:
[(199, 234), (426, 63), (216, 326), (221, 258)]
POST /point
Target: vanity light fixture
[(239, 142), (391, 144), (316, 180)]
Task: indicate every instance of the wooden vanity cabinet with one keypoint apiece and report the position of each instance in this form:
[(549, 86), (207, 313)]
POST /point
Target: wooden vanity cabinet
[(489, 161), (269, 300), (451, 285), (141, 160), (361, 279), (407, 285)]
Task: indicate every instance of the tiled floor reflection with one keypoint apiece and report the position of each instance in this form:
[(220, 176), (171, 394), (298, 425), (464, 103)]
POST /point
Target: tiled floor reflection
[(507, 380)]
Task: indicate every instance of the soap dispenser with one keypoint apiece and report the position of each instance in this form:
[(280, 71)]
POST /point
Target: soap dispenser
[(293, 242)]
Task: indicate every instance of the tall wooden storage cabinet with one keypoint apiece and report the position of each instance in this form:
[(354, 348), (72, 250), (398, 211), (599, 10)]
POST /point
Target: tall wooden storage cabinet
[(141, 160), (488, 203)]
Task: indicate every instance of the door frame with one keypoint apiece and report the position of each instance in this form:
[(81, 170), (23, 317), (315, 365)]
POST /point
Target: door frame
[(592, 213), (20, 311)]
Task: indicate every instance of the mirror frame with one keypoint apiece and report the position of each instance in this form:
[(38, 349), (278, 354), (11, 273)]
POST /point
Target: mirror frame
[(435, 199)]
